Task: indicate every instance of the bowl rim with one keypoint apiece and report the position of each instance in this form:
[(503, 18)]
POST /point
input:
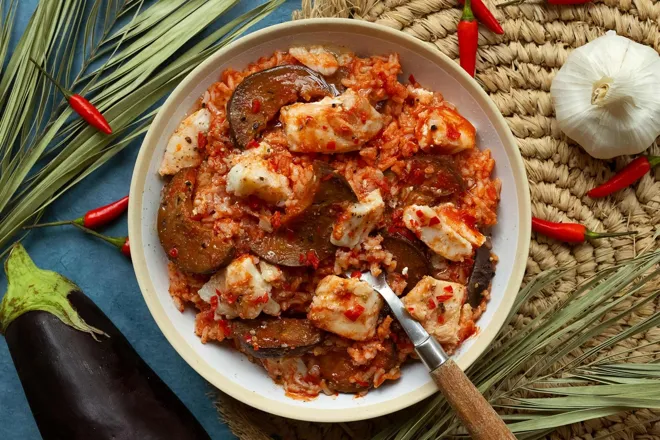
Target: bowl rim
[(177, 341)]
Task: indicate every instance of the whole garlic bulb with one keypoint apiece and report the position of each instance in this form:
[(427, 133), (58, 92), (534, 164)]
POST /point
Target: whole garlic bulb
[(607, 96)]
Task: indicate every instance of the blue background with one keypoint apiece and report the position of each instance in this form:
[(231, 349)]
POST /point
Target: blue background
[(107, 277)]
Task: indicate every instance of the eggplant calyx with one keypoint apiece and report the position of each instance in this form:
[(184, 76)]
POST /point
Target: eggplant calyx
[(32, 289)]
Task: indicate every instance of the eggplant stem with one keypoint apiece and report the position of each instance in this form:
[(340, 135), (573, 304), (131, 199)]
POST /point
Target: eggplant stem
[(32, 289)]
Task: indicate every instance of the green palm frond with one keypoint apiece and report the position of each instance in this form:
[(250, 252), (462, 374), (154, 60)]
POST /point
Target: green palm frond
[(549, 372), (133, 55)]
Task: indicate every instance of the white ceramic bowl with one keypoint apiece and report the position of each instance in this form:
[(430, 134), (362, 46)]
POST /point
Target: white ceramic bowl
[(230, 370)]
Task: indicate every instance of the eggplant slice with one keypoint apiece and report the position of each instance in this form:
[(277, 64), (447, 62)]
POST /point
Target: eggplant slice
[(440, 179), (193, 247), (328, 187), (260, 96), (333, 187), (274, 338), (482, 273), (289, 245), (308, 229), (338, 368), (407, 254)]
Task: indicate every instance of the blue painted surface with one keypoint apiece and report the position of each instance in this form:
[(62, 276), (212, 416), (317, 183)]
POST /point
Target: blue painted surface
[(108, 278)]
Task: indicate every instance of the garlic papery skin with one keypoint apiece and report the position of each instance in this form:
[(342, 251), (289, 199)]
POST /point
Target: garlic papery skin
[(607, 96)]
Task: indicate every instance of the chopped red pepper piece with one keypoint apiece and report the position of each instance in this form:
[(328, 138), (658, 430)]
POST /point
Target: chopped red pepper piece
[(452, 132), (223, 324), (202, 141), (434, 221), (411, 79), (354, 312), (432, 304), (313, 259), (276, 220), (214, 302), (443, 298), (262, 299), (356, 274), (174, 252), (419, 213), (252, 144), (256, 106), (449, 289), (441, 319)]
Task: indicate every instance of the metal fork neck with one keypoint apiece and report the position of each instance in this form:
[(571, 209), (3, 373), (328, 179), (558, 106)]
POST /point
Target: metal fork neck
[(431, 353)]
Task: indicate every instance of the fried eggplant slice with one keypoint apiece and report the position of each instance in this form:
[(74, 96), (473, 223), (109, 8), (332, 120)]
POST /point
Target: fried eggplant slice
[(274, 338), (482, 274), (333, 187), (407, 254), (343, 375), (431, 177), (259, 97), (328, 187), (291, 245), (189, 244)]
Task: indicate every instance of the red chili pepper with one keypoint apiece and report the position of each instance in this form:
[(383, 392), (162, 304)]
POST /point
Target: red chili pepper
[(93, 218), (126, 248), (80, 105), (571, 232), (121, 243), (105, 214), (485, 17), (354, 312), (630, 174), (468, 37)]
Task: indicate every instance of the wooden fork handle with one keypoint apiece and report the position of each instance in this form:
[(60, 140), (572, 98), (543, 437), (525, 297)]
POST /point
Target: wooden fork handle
[(480, 419)]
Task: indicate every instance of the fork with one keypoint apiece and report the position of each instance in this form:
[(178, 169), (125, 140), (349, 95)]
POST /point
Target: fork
[(477, 415)]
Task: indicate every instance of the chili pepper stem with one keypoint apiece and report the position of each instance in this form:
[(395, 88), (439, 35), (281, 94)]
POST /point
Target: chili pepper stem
[(654, 161), (468, 15), (67, 94), (594, 235), (78, 221), (117, 242)]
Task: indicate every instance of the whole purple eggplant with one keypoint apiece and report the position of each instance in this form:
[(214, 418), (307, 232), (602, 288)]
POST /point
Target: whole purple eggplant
[(82, 378)]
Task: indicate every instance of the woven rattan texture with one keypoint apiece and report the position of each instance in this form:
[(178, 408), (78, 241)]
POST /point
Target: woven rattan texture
[(516, 70)]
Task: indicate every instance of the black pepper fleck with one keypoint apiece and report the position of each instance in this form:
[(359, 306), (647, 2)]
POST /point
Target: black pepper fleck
[(434, 127), (188, 139), (255, 125)]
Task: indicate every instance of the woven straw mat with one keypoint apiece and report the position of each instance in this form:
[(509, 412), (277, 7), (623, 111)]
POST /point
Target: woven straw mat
[(516, 70)]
